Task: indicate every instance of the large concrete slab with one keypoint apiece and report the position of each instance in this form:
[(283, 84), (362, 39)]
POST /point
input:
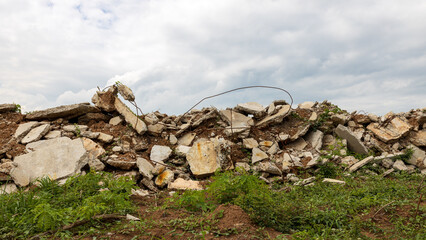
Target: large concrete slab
[(354, 143), (393, 131), (36, 133), (130, 117), (277, 117), (203, 159), (65, 111), (56, 158)]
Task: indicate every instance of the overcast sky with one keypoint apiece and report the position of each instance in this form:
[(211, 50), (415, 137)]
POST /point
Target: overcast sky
[(360, 55)]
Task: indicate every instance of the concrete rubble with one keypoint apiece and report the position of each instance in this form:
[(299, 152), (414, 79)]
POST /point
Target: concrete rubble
[(179, 152)]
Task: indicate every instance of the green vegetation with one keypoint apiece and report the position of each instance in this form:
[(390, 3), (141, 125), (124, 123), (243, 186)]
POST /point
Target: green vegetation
[(77, 130), (321, 211), (17, 108), (51, 206)]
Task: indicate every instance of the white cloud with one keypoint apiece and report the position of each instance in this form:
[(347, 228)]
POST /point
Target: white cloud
[(173, 53)]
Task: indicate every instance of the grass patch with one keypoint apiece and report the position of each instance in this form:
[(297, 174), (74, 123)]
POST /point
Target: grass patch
[(50, 206), (323, 211)]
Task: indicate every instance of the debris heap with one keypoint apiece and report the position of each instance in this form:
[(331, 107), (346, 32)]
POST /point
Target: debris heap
[(161, 151)]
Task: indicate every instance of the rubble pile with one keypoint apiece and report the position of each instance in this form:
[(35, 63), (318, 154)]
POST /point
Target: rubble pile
[(176, 152)]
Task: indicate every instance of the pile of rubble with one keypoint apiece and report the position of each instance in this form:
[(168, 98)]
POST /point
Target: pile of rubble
[(177, 152)]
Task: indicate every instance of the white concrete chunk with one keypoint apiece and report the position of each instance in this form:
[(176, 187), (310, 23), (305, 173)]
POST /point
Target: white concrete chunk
[(36, 133)]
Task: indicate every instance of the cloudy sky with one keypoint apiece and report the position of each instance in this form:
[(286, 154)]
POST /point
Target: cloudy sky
[(360, 55)]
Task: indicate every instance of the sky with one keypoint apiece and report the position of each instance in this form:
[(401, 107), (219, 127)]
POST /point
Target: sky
[(361, 55)]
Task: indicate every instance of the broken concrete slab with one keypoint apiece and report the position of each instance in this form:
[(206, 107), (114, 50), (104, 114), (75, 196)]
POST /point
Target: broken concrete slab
[(156, 129), (120, 164), (400, 165), (239, 122), (354, 143), (258, 155), (8, 188), (306, 105), (392, 131), (360, 164), (105, 100), (339, 119), (145, 167), (187, 139), (56, 158), (6, 167), (94, 151), (250, 143), (160, 153), (334, 181), (276, 118), (269, 167), (182, 150), (65, 111), (203, 159), (115, 121), (53, 134), (164, 178), (130, 117), (24, 128), (418, 158), (299, 144), (301, 131), (418, 138), (75, 128), (105, 138), (250, 108), (36, 134), (315, 139), (182, 184), (7, 107)]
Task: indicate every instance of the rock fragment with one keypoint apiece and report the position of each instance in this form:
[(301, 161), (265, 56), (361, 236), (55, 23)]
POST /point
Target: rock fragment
[(160, 153), (36, 133), (360, 164), (145, 167), (182, 184), (354, 143), (24, 128), (130, 117), (393, 131), (258, 155), (203, 159), (7, 107), (66, 111), (276, 118), (164, 178)]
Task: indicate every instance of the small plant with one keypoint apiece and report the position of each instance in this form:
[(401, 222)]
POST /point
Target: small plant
[(77, 130), (328, 170), (18, 108)]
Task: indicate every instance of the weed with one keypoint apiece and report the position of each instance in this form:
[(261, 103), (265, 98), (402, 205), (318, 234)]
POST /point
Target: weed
[(50, 206), (77, 130), (18, 108)]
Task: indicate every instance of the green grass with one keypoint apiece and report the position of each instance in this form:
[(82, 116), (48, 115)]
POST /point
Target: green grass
[(51, 206), (321, 211)]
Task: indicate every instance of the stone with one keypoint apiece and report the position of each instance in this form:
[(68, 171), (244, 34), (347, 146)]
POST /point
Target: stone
[(89, 134), (400, 166), (305, 182), (158, 169), (334, 181), (266, 143), (361, 119), (105, 100), (182, 184), (140, 192), (418, 138), (360, 164), (145, 167), (131, 218), (283, 136), (203, 159), (56, 158), (315, 139), (8, 188), (349, 160), (373, 117), (418, 158), (387, 172), (387, 163), (273, 149), (149, 184), (272, 109), (182, 150), (151, 118), (250, 108), (125, 165), (354, 143), (160, 153), (164, 178), (115, 121), (187, 139), (341, 119), (250, 143), (239, 123), (269, 167), (306, 105), (75, 128), (243, 165), (301, 131), (292, 177), (24, 128), (173, 140), (97, 117), (53, 134), (313, 117), (7, 107), (36, 134), (392, 131), (155, 129), (6, 167), (276, 118), (299, 144), (105, 138), (125, 92), (66, 111), (130, 117), (258, 155), (94, 151), (117, 149)]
